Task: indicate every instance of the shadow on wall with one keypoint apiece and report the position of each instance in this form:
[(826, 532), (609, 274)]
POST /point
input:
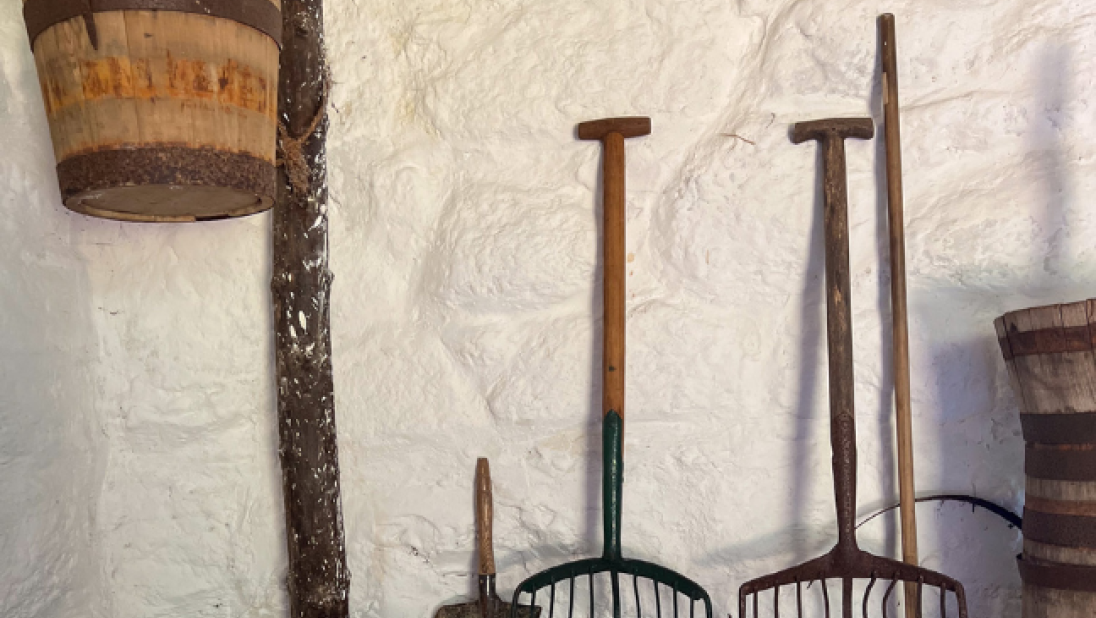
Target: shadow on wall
[(51, 458), (973, 408)]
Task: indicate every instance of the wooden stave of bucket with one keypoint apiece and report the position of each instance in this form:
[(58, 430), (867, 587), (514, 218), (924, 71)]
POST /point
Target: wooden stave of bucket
[(158, 110), (1051, 357)]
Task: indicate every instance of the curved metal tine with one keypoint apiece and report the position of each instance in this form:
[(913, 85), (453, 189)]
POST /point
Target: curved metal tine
[(776, 601), (552, 601), (799, 597), (826, 597), (571, 599), (920, 596), (887, 594), (867, 594)]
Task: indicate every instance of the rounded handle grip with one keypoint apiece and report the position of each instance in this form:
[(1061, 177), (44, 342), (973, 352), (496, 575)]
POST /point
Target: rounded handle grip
[(484, 515)]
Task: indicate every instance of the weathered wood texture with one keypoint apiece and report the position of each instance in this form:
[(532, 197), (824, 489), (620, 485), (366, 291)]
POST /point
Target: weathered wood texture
[(1049, 352), (168, 116), (318, 579)]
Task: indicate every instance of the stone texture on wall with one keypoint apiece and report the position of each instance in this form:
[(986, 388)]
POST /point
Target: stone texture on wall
[(137, 441)]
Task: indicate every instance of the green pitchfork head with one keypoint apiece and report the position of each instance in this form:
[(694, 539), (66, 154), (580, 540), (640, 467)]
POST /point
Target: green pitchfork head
[(556, 586)]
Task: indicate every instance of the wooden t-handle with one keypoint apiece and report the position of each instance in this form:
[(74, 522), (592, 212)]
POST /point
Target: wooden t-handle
[(611, 132), (484, 515)]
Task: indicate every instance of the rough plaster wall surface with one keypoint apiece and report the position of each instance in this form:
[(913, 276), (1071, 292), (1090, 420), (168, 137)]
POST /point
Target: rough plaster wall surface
[(137, 451)]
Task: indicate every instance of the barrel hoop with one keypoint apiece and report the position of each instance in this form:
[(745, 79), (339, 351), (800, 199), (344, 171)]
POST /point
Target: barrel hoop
[(1060, 530), (262, 15), (1057, 576), (1059, 428), (1047, 341), (1061, 464), (165, 165), (1060, 507)]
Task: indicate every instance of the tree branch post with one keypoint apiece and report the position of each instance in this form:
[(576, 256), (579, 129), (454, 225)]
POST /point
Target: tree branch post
[(318, 580)]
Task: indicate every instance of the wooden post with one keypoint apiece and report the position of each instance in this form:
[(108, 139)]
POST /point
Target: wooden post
[(318, 579)]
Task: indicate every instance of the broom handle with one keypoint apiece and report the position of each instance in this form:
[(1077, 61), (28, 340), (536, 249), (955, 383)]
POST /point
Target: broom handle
[(899, 324)]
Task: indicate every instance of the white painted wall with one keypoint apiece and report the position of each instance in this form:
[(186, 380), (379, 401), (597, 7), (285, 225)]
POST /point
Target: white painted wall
[(138, 474)]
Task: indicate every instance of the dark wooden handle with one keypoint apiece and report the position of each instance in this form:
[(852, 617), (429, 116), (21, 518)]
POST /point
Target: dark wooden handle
[(839, 336), (484, 516), (613, 204)]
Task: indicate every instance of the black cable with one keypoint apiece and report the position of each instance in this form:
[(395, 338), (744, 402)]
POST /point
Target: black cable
[(1014, 520)]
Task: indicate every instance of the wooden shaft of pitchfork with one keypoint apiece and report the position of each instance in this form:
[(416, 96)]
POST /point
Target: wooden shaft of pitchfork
[(899, 324)]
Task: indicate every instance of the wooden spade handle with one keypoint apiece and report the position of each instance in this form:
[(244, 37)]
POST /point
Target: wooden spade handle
[(613, 204), (484, 516), (612, 132)]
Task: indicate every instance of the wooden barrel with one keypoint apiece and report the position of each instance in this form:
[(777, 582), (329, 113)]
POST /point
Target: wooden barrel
[(1052, 364), (160, 110)]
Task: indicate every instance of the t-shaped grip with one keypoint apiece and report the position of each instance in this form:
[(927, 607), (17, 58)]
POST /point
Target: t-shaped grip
[(627, 126), (860, 128)]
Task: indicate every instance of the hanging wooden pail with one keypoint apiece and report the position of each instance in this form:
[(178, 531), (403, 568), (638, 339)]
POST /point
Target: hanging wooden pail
[(1052, 363), (160, 110)]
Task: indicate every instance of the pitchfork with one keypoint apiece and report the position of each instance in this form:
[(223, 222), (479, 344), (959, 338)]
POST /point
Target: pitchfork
[(557, 585), (846, 561)]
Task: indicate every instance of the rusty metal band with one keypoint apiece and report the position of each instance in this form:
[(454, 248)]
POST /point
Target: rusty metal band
[(1060, 464), (1006, 349), (1061, 530), (1059, 428), (165, 165), (262, 15), (1047, 341), (1057, 576)]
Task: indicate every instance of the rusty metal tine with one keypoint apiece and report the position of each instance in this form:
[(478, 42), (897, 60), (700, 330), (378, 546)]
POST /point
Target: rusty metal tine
[(799, 597), (886, 596), (867, 595), (826, 597), (846, 597)]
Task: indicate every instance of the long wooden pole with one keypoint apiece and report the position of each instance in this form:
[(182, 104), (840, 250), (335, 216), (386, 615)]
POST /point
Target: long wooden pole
[(899, 323), (318, 581)]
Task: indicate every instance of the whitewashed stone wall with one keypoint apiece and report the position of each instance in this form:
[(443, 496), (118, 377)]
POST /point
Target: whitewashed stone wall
[(138, 474)]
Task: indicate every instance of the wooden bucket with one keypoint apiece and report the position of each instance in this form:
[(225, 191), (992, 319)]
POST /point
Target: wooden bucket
[(1051, 361), (160, 110)]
